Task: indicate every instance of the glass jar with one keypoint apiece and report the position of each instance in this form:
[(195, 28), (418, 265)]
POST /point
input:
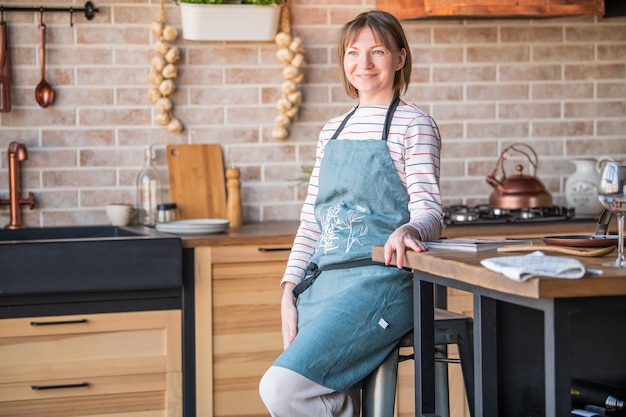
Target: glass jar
[(167, 212)]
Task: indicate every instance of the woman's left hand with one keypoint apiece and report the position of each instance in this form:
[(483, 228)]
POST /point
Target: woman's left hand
[(404, 237)]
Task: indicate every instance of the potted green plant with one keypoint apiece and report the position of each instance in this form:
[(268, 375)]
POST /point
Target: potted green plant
[(230, 20)]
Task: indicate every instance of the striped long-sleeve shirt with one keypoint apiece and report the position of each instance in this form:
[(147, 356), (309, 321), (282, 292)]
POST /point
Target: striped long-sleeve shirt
[(414, 146)]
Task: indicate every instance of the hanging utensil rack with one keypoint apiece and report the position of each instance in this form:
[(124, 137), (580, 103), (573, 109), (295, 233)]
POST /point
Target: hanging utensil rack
[(90, 10)]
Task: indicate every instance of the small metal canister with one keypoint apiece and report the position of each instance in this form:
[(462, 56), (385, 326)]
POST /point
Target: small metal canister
[(167, 212)]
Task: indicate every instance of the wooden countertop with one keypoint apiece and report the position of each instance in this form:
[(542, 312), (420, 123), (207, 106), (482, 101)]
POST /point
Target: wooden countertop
[(283, 232), (465, 268), (461, 266), (267, 233)]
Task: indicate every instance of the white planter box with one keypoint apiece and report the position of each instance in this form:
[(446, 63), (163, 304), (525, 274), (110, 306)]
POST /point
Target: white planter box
[(229, 22)]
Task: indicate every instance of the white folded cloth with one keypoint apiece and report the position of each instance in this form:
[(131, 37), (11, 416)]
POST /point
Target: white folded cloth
[(524, 267)]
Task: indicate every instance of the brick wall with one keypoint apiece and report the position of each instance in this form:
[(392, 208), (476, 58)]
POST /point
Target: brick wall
[(558, 84)]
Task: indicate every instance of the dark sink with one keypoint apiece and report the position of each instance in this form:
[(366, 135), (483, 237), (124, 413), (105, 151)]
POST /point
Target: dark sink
[(87, 259), (60, 233)]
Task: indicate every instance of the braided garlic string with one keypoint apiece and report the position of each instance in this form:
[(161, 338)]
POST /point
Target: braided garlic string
[(291, 55), (163, 71)]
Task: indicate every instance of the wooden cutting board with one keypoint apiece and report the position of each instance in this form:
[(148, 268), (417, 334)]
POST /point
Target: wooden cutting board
[(196, 181)]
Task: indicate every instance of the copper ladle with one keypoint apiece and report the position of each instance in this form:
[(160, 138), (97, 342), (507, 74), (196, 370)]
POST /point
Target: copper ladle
[(44, 94)]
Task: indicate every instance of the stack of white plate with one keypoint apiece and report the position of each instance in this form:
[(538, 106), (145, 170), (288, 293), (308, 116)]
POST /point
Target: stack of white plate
[(194, 226)]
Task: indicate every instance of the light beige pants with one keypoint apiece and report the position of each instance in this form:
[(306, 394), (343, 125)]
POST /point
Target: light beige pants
[(289, 394)]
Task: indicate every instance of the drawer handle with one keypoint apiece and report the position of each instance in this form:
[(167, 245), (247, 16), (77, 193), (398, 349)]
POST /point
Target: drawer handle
[(60, 386), (53, 323), (273, 249)]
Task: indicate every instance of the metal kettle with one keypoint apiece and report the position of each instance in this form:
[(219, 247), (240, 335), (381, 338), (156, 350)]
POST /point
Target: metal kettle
[(518, 191)]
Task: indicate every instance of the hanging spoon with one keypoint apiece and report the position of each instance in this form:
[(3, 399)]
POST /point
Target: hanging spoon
[(44, 94)]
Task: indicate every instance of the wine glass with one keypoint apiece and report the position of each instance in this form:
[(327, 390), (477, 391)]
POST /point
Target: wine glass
[(612, 196)]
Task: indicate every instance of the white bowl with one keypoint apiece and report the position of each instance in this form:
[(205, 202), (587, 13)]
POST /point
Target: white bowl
[(120, 214)]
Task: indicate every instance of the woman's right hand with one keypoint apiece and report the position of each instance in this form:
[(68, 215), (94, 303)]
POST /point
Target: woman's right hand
[(289, 314)]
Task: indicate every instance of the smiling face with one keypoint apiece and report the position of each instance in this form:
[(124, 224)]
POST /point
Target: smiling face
[(371, 68)]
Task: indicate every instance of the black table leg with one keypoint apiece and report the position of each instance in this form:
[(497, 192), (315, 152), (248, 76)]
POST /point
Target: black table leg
[(485, 357), (424, 345)]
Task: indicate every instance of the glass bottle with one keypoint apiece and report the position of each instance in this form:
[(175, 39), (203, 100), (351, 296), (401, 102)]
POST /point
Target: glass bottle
[(149, 190), (611, 399)]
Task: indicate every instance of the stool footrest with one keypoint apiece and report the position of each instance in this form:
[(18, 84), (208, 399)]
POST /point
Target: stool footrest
[(379, 388), (448, 360), (403, 358)]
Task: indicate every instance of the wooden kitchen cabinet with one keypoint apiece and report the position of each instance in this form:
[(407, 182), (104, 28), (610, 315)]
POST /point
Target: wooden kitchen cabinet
[(409, 9), (112, 364), (238, 327)]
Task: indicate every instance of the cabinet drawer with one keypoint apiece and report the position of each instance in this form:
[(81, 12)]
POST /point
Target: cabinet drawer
[(128, 396), (78, 324), (77, 387), (251, 253), (75, 349), (83, 346)]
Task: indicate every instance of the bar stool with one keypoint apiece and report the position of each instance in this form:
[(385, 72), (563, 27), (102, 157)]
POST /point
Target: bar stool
[(379, 388)]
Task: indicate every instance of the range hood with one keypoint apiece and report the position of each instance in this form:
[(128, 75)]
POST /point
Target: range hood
[(414, 9)]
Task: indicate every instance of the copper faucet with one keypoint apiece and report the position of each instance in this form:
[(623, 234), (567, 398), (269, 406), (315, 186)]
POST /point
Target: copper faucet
[(16, 152)]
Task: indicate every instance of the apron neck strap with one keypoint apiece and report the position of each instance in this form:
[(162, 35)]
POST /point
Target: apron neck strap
[(390, 111), (343, 124)]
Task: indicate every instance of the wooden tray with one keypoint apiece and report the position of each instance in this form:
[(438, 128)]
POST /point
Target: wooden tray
[(577, 251), (586, 241)]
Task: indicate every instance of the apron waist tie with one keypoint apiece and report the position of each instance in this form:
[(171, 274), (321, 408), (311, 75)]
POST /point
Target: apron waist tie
[(313, 271)]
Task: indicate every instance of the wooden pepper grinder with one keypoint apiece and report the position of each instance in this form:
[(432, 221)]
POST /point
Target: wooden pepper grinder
[(233, 202)]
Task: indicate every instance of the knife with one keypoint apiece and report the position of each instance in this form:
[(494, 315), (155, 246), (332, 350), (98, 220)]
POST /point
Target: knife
[(603, 222)]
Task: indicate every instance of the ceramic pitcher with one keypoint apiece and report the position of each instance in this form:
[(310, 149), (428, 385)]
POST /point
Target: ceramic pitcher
[(581, 187)]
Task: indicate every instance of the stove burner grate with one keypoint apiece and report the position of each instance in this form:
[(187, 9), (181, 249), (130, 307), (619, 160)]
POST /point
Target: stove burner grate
[(483, 214)]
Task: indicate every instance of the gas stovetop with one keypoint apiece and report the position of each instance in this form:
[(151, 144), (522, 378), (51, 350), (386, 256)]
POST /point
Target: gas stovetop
[(483, 214)]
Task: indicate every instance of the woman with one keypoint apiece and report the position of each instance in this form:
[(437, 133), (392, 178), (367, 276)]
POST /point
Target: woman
[(375, 181)]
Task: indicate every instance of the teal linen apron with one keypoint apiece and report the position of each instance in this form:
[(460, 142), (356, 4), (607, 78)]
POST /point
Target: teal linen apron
[(350, 319)]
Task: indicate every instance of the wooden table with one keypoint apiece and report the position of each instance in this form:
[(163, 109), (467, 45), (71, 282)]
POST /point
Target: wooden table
[(530, 339)]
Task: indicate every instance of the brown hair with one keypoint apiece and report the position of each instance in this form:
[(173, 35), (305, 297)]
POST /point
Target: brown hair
[(389, 31)]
